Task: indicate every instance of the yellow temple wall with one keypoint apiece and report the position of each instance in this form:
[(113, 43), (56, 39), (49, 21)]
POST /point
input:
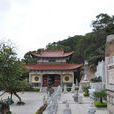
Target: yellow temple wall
[(33, 78), (67, 76)]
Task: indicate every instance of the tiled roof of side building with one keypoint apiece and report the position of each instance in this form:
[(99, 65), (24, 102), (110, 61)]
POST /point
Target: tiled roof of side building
[(52, 53), (53, 66)]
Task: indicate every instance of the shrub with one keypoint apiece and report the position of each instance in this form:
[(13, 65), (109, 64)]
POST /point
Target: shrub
[(9, 112), (96, 79), (86, 89), (32, 89), (76, 88), (86, 95), (100, 105), (41, 109), (35, 89), (68, 89)]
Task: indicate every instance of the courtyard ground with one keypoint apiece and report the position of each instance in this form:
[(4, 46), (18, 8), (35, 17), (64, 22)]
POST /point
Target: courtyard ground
[(77, 108), (34, 100)]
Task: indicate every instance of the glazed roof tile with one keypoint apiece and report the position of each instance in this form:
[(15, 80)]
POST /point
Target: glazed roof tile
[(53, 66), (52, 53)]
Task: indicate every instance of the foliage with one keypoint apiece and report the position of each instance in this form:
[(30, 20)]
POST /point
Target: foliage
[(32, 89), (100, 95), (100, 105), (86, 89), (41, 109), (36, 89), (104, 22), (11, 70), (76, 88), (68, 89), (96, 79), (28, 59), (9, 112), (86, 95)]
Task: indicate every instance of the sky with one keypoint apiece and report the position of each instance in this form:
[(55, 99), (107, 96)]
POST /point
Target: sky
[(32, 24)]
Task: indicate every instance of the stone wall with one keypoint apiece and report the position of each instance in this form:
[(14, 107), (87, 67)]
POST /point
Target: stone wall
[(109, 66)]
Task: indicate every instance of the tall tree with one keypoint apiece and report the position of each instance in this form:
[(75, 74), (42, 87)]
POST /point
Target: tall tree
[(11, 70), (104, 22)]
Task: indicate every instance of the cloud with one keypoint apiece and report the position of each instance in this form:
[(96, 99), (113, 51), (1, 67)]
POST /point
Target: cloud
[(32, 24)]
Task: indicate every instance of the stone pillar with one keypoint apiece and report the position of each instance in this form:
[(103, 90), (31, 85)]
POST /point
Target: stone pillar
[(72, 78), (41, 80), (61, 80), (30, 81)]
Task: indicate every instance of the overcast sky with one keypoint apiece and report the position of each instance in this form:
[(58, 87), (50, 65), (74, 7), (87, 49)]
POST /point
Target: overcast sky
[(32, 24)]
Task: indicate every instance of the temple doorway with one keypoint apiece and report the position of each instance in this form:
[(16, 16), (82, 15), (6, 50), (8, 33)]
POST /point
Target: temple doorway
[(51, 80)]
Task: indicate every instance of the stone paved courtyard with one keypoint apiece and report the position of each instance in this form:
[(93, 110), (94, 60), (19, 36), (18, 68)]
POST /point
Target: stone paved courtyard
[(34, 100), (77, 108)]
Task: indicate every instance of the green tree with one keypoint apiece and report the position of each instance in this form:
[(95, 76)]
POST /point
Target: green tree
[(100, 95), (86, 89), (28, 59), (104, 22), (11, 70)]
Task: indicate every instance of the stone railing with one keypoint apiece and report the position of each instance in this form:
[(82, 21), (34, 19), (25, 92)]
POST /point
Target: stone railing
[(52, 102), (97, 85)]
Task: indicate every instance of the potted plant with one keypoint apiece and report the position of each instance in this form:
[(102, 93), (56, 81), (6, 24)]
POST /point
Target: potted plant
[(100, 96), (86, 90)]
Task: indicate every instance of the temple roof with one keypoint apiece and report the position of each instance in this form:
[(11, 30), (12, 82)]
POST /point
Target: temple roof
[(52, 53), (53, 66)]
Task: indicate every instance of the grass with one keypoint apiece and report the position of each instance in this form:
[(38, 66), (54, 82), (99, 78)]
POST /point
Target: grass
[(100, 105)]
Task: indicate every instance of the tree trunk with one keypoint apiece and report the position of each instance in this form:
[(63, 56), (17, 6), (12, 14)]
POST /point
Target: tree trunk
[(18, 96), (101, 100), (11, 96)]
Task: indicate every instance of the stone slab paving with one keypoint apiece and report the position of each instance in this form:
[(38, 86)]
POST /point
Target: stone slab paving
[(33, 101), (75, 107)]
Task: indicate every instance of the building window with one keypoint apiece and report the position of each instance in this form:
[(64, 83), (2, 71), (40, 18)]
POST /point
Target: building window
[(67, 78), (36, 78), (52, 61)]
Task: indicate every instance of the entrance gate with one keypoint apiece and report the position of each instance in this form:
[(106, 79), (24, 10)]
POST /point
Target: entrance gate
[(51, 80)]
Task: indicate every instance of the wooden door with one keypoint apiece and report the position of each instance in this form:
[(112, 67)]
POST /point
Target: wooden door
[(45, 81)]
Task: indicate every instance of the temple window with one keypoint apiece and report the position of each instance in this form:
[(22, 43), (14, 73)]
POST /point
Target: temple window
[(52, 60)]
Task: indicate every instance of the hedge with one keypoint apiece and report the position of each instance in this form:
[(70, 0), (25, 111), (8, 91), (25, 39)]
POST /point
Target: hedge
[(68, 89), (86, 95), (100, 105)]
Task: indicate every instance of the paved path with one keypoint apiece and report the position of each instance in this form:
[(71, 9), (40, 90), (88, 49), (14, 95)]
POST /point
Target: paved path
[(34, 100), (75, 107)]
